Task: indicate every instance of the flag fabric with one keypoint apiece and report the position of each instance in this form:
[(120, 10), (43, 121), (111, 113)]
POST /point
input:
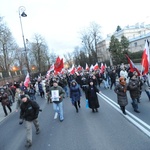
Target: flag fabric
[(132, 66), (51, 68), (91, 68), (102, 68), (59, 65), (79, 68), (49, 71), (145, 59), (96, 67), (27, 80), (72, 70), (87, 67)]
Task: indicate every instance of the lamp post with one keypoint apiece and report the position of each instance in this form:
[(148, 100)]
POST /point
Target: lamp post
[(23, 14)]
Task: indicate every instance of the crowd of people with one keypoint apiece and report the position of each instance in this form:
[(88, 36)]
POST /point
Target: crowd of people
[(55, 88)]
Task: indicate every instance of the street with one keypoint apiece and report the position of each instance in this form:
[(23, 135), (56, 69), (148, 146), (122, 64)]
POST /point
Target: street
[(107, 129)]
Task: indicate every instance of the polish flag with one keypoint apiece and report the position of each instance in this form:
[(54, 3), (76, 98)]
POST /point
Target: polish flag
[(72, 70), (27, 80), (91, 68), (51, 68), (87, 67), (49, 71), (96, 67), (145, 59), (132, 66), (79, 68), (102, 68)]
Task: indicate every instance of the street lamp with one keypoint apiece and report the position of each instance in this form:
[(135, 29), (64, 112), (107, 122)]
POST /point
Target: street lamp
[(23, 14)]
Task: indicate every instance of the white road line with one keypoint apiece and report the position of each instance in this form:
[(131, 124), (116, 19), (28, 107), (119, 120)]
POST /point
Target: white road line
[(133, 119)]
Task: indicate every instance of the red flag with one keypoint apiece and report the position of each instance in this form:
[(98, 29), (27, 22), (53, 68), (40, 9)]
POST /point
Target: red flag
[(102, 68), (27, 80), (145, 59), (79, 68), (132, 66), (96, 67), (72, 70), (59, 65)]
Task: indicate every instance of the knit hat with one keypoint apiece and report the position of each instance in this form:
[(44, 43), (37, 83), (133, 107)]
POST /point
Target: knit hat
[(23, 96), (122, 80), (54, 81)]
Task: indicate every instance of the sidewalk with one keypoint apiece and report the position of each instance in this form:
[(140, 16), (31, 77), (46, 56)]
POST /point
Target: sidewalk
[(2, 114)]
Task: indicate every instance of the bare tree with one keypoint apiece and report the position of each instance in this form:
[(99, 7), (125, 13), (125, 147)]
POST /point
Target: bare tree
[(90, 38), (39, 53), (8, 46)]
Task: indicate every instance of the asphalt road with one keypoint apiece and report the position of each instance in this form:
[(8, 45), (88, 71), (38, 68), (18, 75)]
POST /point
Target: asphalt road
[(108, 129)]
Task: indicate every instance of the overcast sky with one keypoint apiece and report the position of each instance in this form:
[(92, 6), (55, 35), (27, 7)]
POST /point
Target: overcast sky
[(61, 21)]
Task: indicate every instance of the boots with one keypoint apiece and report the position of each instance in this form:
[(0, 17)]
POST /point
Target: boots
[(28, 144), (123, 110)]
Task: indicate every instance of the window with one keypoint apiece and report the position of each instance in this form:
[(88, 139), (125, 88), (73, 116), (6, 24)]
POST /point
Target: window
[(135, 44)]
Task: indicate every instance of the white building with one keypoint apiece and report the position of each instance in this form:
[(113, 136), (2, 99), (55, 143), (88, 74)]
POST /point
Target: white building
[(136, 34)]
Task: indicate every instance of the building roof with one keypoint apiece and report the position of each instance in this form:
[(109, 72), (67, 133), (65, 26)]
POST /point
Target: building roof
[(140, 37)]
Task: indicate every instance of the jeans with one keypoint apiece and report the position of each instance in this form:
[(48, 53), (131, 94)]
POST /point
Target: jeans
[(66, 90), (106, 84), (58, 107), (148, 94), (135, 104)]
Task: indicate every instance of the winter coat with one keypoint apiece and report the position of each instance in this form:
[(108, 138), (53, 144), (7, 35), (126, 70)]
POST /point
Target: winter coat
[(29, 110), (40, 87), (61, 93), (92, 97), (121, 94), (75, 93), (4, 99), (134, 88)]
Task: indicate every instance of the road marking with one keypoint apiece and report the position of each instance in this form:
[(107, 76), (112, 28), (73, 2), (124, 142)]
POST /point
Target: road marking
[(144, 127)]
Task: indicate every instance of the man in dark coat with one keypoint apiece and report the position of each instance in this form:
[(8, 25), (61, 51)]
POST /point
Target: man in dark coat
[(29, 112), (134, 90)]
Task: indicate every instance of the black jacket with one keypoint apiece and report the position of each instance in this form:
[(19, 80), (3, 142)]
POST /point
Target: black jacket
[(29, 110)]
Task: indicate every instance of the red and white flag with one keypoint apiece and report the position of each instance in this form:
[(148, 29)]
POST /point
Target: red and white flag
[(132, 66), (91, 68), (27, 80), (79, 68), (145, 59), (51, 68), (96, 67), (102, 68), (87, 67), (72, 70)]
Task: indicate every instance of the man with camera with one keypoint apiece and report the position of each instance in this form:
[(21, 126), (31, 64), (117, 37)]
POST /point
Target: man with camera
[(29, 112)]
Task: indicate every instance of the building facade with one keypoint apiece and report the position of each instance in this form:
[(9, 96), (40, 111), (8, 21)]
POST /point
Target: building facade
[(136, 34)]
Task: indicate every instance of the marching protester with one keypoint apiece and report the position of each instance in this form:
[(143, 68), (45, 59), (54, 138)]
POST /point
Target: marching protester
[(121, 91), (41, 90), (106, 79), (29, 112), (75, 94), (145, 86), (91, 95), (9, 93), (5, 101), (31, 91), (134, 90), (124, 73), (57, 94), (113, 76), (18, 98)]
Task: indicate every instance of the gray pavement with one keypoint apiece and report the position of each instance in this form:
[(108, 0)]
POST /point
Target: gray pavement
[(2, 114)]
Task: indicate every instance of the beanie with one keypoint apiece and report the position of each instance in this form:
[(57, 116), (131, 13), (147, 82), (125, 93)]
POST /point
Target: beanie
[(23, 96)]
